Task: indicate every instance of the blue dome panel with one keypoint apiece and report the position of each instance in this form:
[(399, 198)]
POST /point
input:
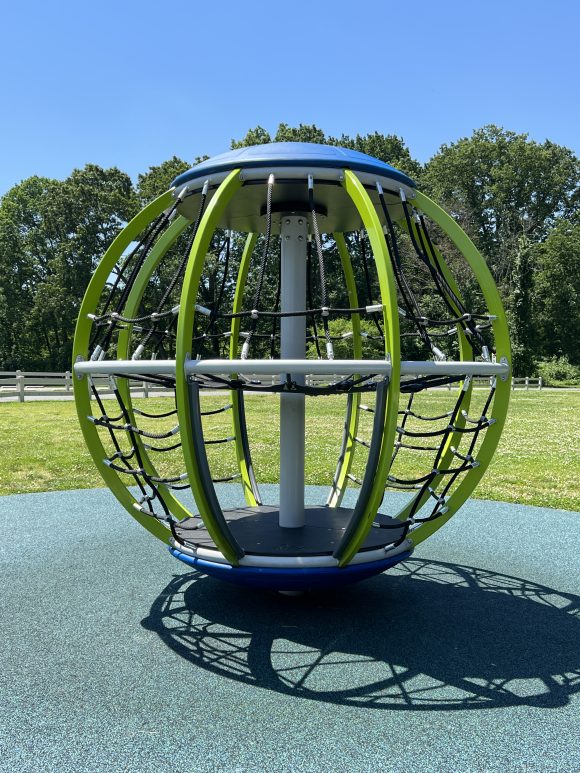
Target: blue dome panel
[(293, 154)]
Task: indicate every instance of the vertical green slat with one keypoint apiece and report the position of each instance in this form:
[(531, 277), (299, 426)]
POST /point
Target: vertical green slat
[(351, 426), (244, 463), (502, 344), (80, 350), (209, 223), (372, 224)]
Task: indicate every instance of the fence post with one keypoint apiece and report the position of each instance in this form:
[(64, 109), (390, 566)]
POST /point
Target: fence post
[(513, 383), (145, 389), (20, 385), (67, 381), (527, 382), (540, 383)]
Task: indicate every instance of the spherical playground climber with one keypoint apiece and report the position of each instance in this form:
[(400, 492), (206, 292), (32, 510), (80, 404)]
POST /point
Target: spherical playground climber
[(267, 227)]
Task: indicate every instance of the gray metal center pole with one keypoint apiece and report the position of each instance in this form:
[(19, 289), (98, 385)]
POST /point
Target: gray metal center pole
[(294, 237)]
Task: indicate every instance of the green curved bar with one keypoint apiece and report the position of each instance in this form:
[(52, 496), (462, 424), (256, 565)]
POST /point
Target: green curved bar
[(244, 463), (372, 224), (465, 353), (165, 241), (80, 351), (351, 426), (502, 344), (209, 223)]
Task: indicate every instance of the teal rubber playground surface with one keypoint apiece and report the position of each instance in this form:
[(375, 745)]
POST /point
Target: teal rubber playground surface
[(116, 657)]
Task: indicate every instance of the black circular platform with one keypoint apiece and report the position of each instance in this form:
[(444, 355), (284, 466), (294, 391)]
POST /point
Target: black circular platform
[(257, 531)]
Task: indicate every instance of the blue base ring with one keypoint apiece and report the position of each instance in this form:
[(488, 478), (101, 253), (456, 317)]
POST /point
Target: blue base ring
[(269, 578)]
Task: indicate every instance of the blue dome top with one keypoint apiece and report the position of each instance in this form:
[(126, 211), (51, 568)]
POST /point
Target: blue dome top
[(293, 154)]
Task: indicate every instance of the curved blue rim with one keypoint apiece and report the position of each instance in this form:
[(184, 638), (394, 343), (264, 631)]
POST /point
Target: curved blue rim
[(290, 579), (291, 154)]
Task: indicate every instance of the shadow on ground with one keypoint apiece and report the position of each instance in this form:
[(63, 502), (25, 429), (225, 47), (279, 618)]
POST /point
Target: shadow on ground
[(427, 635)]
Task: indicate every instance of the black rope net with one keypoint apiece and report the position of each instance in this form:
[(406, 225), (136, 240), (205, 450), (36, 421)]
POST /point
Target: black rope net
[(442, 419)]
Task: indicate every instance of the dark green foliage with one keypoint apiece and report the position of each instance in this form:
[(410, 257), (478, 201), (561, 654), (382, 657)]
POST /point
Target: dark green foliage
[(509, 193), (556, 307), (52, 234), (159, 178), (559, 371)]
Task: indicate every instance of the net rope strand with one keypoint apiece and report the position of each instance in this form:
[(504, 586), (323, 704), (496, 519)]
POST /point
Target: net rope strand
[(273, 334), (312, 317), (141, 251), (409, 298), (178, 272), (440, 506), (149, 480), (450, 299), (321, 268), (261, 271), (369, 293)]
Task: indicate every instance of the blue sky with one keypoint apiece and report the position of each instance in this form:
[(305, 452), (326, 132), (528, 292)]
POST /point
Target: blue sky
[(132, 83)]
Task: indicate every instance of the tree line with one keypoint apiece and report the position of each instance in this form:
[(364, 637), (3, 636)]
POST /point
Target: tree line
[(517, 199)]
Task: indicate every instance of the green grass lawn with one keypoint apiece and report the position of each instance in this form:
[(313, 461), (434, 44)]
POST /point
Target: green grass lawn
[(537, 463)]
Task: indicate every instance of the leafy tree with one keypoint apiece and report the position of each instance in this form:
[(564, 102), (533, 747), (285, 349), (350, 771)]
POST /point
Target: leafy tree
[(508, 192), (301, 133), (556, 297), (52, 234), (386, 147), (502, 187), (257, 136), (158, 179)]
